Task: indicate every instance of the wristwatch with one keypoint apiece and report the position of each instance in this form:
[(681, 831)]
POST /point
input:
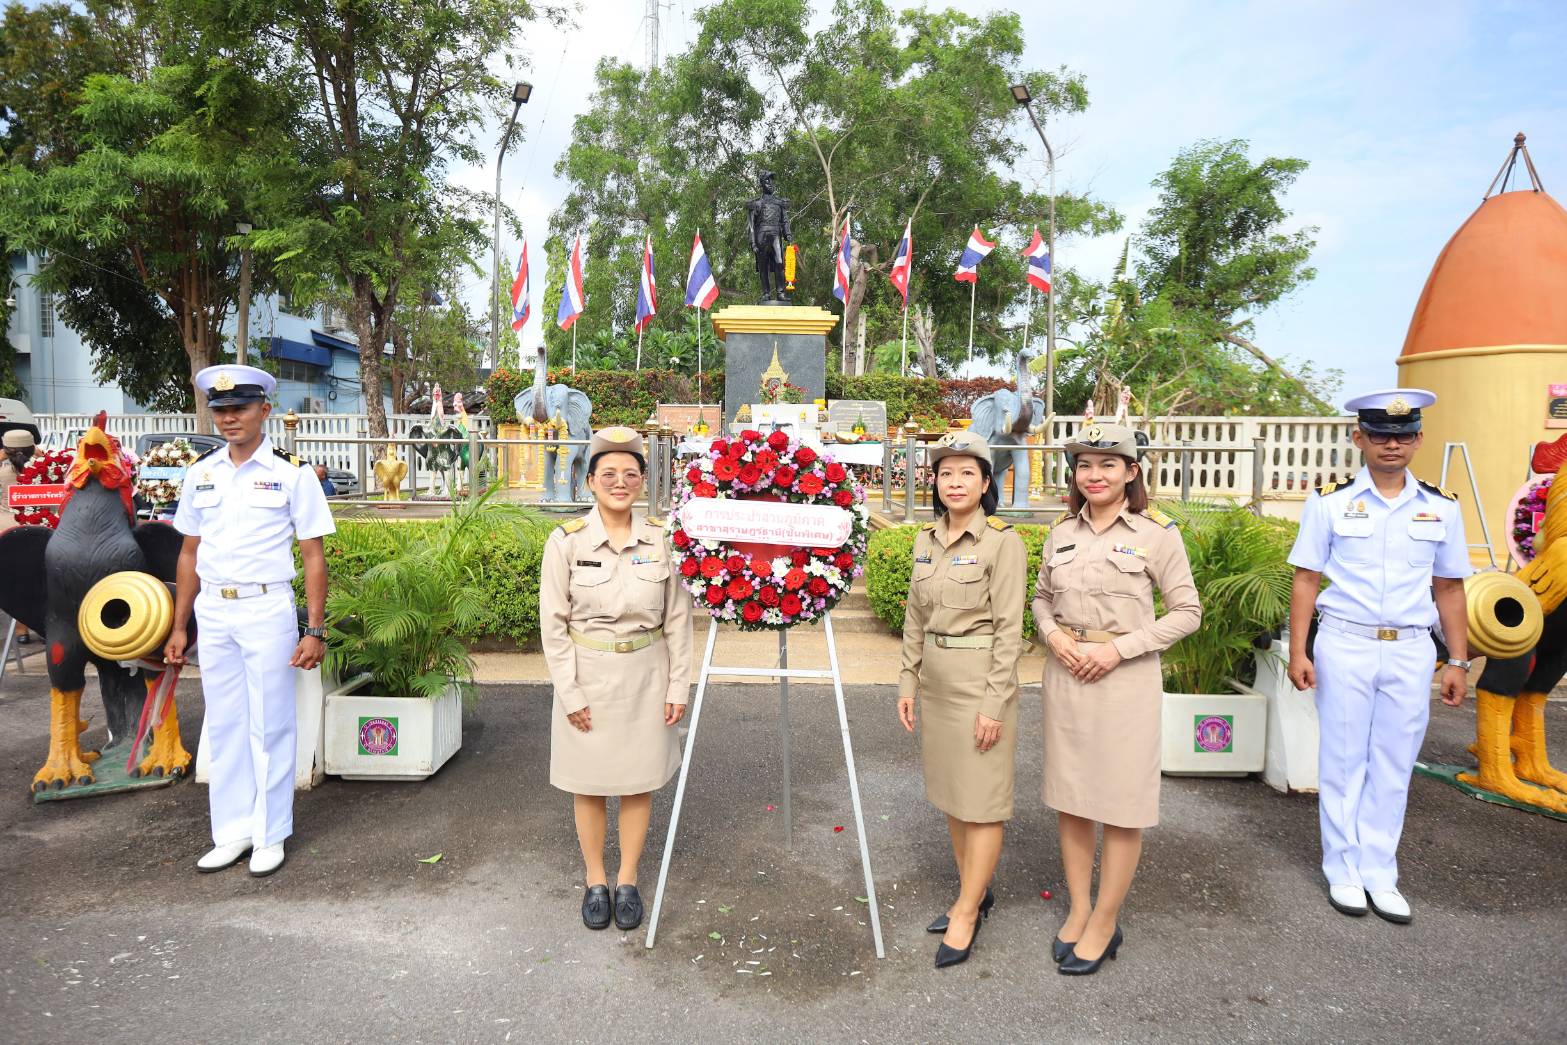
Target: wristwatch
[(315, 633), (1464, 664)]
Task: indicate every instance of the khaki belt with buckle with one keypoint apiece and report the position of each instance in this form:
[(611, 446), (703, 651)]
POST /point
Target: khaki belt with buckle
[(1087, 635), (631, 645), (961, 641)]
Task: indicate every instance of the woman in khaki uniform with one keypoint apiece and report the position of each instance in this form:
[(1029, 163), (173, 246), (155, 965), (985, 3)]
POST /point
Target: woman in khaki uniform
[(616, 629), (962, 636), (1103, 694)]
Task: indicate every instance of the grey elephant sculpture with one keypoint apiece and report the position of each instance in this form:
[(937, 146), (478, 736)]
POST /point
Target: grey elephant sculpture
[(1003, 419), (566, 408)]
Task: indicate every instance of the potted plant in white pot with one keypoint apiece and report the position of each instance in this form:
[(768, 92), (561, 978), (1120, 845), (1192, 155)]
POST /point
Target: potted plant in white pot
[(1214, 721), (398, 636)]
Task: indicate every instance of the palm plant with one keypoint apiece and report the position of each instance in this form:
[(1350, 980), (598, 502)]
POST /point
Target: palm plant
[(1243, 578), (404, 619)]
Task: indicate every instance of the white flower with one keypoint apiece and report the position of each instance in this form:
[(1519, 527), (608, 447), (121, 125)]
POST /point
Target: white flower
[(710, 545), (705, 464), (781, 566)]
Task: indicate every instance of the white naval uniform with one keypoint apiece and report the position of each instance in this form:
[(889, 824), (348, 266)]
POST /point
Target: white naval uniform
[(247, 518), (1374, 694)]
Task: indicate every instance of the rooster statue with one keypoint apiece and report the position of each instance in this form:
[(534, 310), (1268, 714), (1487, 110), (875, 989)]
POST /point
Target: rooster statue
[(1510, 717), (48, 574)]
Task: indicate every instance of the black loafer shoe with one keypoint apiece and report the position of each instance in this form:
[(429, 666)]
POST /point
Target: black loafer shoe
[(595, 907), (940, 924), (628, 907)]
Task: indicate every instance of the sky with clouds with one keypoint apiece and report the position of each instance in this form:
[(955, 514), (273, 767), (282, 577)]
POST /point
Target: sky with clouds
[(1405, 111)]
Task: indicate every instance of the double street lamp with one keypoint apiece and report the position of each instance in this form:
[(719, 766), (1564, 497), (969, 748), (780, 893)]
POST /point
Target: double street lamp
[(519, 98), (1021, 95)]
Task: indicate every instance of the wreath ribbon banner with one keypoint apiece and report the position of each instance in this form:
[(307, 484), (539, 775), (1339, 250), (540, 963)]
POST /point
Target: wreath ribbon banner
[(767, 522)]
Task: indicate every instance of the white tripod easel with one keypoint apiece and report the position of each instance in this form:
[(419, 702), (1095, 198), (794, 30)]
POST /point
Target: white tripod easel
[(783, 673)]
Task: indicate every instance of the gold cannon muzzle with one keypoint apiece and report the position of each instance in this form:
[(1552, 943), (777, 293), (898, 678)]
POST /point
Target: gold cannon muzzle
[(1505, 619), (126, 616)]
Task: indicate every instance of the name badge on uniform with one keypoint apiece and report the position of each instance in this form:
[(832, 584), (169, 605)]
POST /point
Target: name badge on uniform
[(1065, 548), (203, 487), (267, 484), (1127, 549), (922, 558), (589, 562), (1356, 510), (965, 560), (641, 560)]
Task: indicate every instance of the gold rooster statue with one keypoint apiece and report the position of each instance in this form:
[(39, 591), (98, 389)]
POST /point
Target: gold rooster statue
[(390, 471)]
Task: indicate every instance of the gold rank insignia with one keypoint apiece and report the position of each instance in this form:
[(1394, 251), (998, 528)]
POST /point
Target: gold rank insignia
[(1399, 407), (224, 382)]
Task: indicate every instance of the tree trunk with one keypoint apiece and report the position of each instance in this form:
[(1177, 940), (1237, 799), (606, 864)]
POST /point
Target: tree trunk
[(925, 339), (402, 366), (858, 270), (367, 328)]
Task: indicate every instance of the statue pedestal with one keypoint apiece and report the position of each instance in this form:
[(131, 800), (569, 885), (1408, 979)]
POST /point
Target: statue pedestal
[(750, 333)]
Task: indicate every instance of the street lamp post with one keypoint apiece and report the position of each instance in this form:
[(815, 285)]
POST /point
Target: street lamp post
[(1023, 97), (519, 97)]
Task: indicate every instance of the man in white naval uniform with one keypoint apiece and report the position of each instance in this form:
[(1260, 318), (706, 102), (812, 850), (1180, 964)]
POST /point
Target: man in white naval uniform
[(241, 508), (1386, 541)]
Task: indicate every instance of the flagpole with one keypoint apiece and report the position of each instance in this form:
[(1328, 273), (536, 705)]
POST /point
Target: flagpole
[(639, 347), (972, 288), (1027, 310), (903, 368), (573, 350), (528, 288)]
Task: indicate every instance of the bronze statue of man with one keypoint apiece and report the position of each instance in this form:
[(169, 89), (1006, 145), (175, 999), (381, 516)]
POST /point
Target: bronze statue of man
[(767, 222)]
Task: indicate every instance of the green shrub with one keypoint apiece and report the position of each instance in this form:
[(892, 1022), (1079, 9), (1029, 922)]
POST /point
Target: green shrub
[(890, 561)]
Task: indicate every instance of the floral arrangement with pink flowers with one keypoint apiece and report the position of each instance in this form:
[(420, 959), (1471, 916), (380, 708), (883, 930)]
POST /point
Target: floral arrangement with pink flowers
[(1530, 509)]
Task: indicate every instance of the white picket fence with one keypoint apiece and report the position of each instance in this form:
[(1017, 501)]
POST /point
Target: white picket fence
[(1298, 453)]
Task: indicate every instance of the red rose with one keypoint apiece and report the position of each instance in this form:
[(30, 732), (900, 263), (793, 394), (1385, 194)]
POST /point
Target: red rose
[(724, 469), (805, 455), (766, 459), (843, 498), (811, 483), (800, 557), (739, 588), (704, 490), (778, 440), (794, 580), (735, 563), (715, 596), (784, 477), (719, 445), (750, 475), (836, 473), (761, 566), (790, 604), (769, 596), (736, 451), (681, 539), (844, 561), (712, 566), (695, 475), (689, 568), (751, 612), (751, 435), (818, 586)]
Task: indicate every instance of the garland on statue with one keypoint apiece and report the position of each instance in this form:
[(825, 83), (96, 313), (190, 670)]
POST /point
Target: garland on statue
[(1531, 509), (762, 593)]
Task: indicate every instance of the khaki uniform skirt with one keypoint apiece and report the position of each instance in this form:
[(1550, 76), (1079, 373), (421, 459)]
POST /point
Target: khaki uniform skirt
[(629, 750), (960, 780)]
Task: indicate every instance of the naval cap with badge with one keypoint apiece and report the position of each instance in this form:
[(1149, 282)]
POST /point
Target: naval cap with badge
[(1391, 411), (231, 384)]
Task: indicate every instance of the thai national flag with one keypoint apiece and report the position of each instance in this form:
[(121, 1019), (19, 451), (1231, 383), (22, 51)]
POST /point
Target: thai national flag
[(903, 262), (701, 288), (976, 251), (840, 286), (521, 307), (572, 296), (1038, 263), (647, 297)]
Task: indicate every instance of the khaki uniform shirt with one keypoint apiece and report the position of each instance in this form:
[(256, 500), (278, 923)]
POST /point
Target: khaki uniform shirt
[(1105, 581), (967, 583), (590, 586), (7, 479)]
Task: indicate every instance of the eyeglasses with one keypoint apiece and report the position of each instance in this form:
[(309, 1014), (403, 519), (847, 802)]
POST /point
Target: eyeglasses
[(612, 479), (1382, 438)]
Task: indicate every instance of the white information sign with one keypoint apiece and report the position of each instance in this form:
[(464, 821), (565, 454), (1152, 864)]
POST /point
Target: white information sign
[(766, 522)]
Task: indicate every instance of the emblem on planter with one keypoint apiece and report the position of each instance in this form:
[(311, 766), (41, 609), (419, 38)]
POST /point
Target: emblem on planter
[(378, 736), (1214, 734)]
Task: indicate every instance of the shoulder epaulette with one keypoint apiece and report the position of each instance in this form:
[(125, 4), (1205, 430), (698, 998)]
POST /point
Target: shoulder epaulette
[(654, 520), (574, 525), (997, 524), (1450, 495), (1327, 488), (1159, 517), (292, 459), (205, 454), (1057, 520), (929, 527)]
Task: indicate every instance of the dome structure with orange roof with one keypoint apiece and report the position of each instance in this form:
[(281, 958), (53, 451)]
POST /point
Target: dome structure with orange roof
[(1489, 337)]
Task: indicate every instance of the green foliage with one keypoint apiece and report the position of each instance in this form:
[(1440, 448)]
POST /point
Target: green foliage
[(905, 396), (501, 393), (1243, 578), (406, 600), (890, 562)]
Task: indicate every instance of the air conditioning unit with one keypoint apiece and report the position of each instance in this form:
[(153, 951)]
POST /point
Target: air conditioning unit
[(312, 405)]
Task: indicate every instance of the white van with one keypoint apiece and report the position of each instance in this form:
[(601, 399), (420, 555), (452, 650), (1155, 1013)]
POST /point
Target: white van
[(14, 414)]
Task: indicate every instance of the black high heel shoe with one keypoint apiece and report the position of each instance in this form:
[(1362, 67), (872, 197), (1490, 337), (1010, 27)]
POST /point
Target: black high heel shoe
[(940, 924), (946, 956), (1075, 966), (1059, 949)]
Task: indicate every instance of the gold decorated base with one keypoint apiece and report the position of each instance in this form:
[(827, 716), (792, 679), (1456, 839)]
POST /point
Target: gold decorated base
[(773, 319)]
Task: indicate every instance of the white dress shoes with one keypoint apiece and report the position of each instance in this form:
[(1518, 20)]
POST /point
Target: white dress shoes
[(1390, 904), (266, 860), (222, 856), (1348, 899)]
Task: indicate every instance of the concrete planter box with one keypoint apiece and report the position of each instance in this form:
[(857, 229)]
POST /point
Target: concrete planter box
[(370, 737), (1214, 734)]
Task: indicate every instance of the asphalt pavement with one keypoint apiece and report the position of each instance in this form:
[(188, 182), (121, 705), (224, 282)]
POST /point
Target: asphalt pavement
[(107, 933)]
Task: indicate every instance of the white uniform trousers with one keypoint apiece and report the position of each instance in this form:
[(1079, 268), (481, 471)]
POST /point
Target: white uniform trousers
[(244, 646), (1373, 703)]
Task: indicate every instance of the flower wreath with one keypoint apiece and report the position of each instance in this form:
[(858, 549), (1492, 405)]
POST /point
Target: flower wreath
[(764, 593), (44, 468), (1530, 506), (176, 453)]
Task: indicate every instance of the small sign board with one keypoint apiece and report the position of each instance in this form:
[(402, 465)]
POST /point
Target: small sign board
[(171, 472), (36, 495), (1556, 406), (682, 417), (843, 413), (766, 522)]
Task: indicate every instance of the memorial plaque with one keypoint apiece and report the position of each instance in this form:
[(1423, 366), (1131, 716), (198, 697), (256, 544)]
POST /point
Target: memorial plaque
[(1556, 406), (682, 417), (842, 414)]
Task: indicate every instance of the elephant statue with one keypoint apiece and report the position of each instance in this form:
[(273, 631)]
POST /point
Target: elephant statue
[(1003, 419), (567, 412)]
